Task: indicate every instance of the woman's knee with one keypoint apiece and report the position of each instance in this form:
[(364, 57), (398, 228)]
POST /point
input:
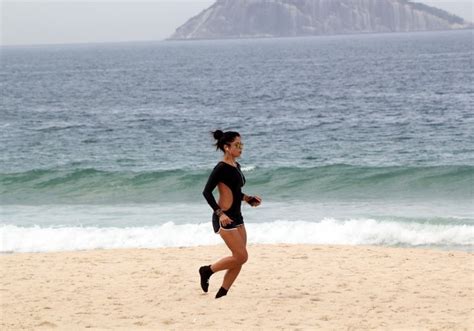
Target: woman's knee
[(241, 257)]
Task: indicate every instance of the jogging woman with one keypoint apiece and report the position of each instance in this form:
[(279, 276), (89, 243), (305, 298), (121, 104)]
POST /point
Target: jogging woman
[(227, 218)]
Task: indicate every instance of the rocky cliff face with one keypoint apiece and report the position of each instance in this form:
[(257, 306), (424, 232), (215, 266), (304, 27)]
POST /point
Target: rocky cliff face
[(286, 18)]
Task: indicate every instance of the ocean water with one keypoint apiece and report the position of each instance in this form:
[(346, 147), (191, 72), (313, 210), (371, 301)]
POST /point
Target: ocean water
[(356, 140)]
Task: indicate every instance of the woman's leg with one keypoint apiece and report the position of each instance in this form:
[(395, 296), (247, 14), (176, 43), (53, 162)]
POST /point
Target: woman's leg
[(236, 241), (236, 244), (231, 274)]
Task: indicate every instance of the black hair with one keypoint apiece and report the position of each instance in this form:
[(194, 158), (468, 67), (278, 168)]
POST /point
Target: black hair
[(224, 138)]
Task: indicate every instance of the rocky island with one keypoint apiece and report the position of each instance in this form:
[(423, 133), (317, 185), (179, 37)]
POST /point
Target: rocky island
[(291, 18)]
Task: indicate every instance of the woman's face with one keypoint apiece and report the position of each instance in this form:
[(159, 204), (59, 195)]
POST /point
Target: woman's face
[(236, 147)]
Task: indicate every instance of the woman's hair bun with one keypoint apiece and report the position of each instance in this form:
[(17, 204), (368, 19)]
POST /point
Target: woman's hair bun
[(224, 138), (218, 134)]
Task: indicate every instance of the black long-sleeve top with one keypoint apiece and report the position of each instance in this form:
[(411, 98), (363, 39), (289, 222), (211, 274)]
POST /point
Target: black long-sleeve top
[(233, 178)]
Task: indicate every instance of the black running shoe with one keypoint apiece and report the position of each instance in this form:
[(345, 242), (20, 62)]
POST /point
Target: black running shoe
[(205, 273)]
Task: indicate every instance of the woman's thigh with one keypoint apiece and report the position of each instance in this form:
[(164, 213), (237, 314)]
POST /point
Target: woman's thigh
[(243, 233), (234, 241)]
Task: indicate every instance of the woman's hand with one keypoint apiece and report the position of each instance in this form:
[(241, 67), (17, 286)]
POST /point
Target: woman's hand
[(225, 220), (254, 201)]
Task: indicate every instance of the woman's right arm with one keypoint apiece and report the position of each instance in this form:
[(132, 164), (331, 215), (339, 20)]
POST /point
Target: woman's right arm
[(210, 186)]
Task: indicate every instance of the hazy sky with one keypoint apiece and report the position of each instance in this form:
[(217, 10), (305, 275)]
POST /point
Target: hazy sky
[(72, 21)]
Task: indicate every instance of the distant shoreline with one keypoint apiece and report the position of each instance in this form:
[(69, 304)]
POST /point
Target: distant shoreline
[(317, 36)]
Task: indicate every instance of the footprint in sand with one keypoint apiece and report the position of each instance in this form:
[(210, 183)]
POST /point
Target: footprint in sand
[(47, 324)]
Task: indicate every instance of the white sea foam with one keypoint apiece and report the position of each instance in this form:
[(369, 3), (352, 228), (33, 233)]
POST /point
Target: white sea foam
[(248, 168), (327, 231)]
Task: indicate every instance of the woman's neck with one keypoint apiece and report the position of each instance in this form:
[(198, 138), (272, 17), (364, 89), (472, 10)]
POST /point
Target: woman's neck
[(230, 160)]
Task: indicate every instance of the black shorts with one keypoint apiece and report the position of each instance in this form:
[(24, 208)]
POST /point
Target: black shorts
[(238, 220)]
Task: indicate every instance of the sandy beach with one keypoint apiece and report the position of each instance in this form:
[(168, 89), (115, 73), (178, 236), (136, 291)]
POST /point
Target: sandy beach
[(293, 287)]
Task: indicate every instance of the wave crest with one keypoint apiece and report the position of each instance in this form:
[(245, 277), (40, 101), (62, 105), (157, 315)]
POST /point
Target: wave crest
[(318, 183)]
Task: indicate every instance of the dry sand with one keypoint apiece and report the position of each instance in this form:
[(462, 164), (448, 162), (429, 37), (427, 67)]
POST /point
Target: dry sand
[(289, 287)]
